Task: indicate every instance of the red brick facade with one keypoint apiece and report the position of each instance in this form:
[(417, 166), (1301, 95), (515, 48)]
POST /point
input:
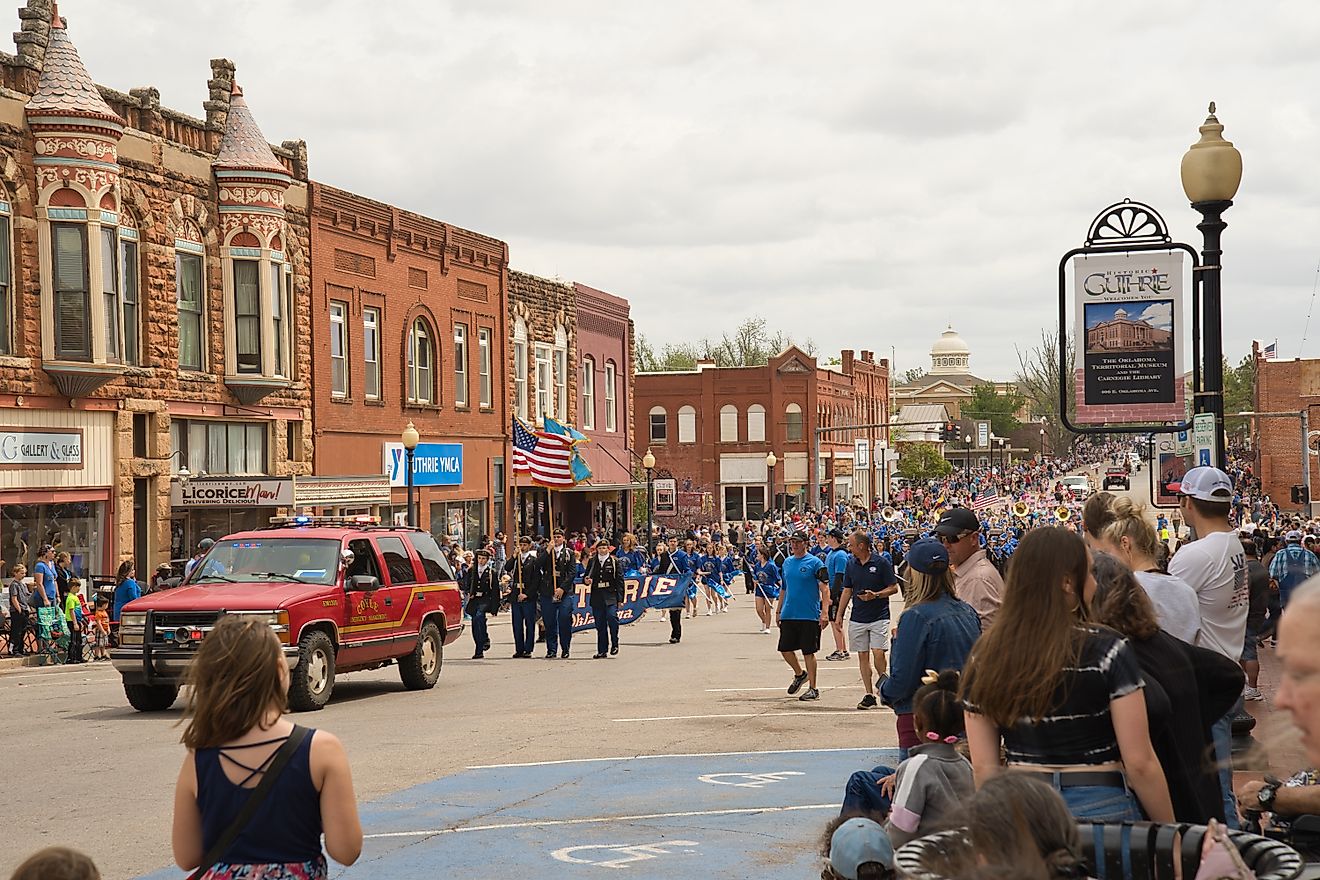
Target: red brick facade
[(393, 271), (1284, 386), (713, 427)]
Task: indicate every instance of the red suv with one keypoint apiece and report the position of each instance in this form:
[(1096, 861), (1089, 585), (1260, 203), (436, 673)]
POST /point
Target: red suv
[(341, 595)]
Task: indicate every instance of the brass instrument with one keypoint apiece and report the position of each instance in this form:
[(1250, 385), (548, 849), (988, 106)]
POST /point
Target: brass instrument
[(1020, 510), (1062, 514), (889, 514)]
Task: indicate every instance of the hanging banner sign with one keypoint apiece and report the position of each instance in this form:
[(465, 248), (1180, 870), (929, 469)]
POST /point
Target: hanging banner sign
[(982, 435), (666, 496), (861, 455), (1129, 337)]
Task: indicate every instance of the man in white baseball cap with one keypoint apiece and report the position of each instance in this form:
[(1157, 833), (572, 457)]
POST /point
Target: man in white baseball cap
[(1216, 568)]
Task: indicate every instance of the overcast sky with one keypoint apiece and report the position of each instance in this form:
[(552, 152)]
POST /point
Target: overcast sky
[(859, 173)]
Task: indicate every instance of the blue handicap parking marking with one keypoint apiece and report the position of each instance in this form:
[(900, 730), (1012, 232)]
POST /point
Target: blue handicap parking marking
[(725, 815)]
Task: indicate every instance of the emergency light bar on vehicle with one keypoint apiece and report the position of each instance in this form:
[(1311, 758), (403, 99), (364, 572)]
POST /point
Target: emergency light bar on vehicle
[(304, 519)]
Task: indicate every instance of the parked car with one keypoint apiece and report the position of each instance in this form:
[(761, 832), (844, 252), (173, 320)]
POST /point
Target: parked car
[(341, 596)]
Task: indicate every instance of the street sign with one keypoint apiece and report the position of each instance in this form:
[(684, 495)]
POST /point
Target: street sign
[(1184, 443), (666, 495), (1203, 439), (434, 464), (861, 455)]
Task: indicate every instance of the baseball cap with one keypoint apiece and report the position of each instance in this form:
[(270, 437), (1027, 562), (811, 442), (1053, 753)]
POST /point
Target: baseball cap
[(957, 520), (205, 544), (1293, 537), (799, 535), (928, 556), (836, 533), (858, 842), (1206, 484)]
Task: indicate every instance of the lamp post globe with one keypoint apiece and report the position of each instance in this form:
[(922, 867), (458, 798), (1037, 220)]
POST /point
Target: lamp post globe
[(648, 462), (1211, 173), (410, 438), (770, 462)]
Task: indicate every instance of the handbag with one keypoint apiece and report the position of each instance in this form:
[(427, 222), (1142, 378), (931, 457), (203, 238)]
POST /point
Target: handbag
[(254, 800)]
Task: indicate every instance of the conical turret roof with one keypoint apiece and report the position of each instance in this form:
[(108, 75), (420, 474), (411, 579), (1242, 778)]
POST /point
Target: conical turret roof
[(243, 147), (65, 88)]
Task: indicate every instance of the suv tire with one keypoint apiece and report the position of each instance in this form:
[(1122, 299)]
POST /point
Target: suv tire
[(420, 669), (151, 697), (313, 678)]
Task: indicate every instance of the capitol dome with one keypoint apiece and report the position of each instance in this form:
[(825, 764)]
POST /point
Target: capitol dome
[(950, 353)]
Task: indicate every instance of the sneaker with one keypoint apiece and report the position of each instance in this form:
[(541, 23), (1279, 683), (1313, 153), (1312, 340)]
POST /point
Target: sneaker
[(673, 641), (811, 694), (798, 681), (614, 650), (1251, 693), (564, 654), (709, 613), (884, 676), (478, 656), (550, 655), (868, 702), (766, 631), (838, 655)]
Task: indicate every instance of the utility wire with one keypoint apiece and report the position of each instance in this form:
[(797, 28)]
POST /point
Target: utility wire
[(1301, 352)]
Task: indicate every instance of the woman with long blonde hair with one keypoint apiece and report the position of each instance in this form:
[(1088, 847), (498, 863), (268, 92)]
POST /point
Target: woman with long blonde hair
[(1063, 695), (236, 731)]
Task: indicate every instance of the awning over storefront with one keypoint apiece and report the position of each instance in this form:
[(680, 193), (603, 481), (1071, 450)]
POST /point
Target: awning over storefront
[(612, 488), (341, 491)]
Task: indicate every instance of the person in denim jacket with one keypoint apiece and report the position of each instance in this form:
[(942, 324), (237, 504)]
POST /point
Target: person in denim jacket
[(936, 631)]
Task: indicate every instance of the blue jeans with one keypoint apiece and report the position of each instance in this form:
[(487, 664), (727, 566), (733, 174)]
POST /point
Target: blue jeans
[(607, 627), (1222, 733), (524, 625), (558, 620), (1102, 803), (862, 796), (480, 633)]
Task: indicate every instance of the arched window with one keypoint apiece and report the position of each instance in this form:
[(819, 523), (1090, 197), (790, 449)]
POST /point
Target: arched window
[(659, 425), (190, 283), (793, 423), (588, 393), (561, 374), (756, 423), (421, 361), (687, 424), (520, 368), (728, 423)]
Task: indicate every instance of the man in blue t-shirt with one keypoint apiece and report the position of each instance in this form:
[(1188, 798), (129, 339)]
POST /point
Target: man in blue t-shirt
[(802, 612), (868, 582), (836, 562)]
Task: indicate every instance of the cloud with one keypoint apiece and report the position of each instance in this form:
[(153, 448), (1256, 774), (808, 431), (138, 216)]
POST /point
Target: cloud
[(1158, 315)]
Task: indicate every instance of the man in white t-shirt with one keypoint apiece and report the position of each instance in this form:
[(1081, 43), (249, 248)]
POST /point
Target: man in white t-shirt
[(1216, 568)]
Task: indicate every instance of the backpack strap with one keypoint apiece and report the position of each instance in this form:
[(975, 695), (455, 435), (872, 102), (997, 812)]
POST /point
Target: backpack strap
[(282, 757)]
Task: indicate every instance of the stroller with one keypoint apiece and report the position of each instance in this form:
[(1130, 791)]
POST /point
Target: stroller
[(52, 635)]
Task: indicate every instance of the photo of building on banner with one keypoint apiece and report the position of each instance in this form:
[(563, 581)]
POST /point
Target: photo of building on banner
[(1129, 337)]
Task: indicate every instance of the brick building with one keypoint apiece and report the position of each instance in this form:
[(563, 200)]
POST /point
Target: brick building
[(153, 268), (711, 428), (408, 325), (1284, 386)]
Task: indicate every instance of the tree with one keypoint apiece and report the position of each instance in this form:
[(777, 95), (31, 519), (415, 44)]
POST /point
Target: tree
[(922, 462), (1239, 395), (750, 345), (1000, 409), (912, 375), (1037, 381)]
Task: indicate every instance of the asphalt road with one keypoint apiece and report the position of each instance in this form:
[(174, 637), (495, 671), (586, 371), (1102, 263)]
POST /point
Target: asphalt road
[(87, 770)]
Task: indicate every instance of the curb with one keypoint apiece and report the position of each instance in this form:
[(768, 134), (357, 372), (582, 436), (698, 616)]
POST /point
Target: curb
[(11, 663)]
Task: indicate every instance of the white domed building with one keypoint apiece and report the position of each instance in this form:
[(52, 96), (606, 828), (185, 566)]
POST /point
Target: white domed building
[(940, 393)]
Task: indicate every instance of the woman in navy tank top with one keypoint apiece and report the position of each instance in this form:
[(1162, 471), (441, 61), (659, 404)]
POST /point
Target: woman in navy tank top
[(236, 725)]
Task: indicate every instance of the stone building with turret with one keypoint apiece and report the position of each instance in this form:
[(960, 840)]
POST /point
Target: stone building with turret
[(154, 269)]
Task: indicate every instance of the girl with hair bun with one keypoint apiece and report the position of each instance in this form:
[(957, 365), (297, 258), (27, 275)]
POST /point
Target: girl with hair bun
[(932, 781)]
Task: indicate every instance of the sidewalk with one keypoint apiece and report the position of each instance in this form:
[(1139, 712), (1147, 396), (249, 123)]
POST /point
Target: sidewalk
[(1279, 749)]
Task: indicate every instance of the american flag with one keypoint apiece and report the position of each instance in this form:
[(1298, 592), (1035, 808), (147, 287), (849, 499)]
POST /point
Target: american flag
[(1271, 350), (547, 457), (988, 498)]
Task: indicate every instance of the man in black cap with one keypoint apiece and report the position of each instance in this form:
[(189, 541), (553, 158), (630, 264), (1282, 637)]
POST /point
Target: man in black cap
[(802, 613), (976, 579), (522, 577), (558, 598)]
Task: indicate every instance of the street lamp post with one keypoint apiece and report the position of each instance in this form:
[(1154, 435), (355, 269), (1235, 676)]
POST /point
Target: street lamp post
[(648, 462), (1042, 445), (410, 440), (770, 462), (967, 460), (1211, 173)]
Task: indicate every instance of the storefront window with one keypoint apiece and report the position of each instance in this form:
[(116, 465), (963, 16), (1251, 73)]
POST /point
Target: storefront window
[(219, 447), (466, 519), (75, 527)]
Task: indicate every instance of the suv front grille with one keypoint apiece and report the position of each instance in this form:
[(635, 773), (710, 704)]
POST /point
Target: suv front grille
[(163, 620)]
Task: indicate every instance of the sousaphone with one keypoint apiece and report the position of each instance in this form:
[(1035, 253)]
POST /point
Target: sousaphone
[(1062, 514), (1020, 510), (889, 514)]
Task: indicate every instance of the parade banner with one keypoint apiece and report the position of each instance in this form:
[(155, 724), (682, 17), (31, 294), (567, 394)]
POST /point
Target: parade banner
[(1129, 337), (639, 594)]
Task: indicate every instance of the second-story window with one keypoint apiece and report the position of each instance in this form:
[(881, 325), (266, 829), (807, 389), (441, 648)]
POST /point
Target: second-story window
[(73, 339), (460, 365), (611, 392), (338, 349), (6, 282), (371, 353), (129, 295), (247, 316), (543, 384), (421, 357), (588, 393), (189, 280), (279, 317), (110, 286), (520, 368), (485, 392)]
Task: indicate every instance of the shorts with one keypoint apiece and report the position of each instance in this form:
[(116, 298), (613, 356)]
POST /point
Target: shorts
[(868, 636), (799, 635), (1249, 644)]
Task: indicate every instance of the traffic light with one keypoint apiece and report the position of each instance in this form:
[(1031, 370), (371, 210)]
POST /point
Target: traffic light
[(1300, 495), (949, 432)]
